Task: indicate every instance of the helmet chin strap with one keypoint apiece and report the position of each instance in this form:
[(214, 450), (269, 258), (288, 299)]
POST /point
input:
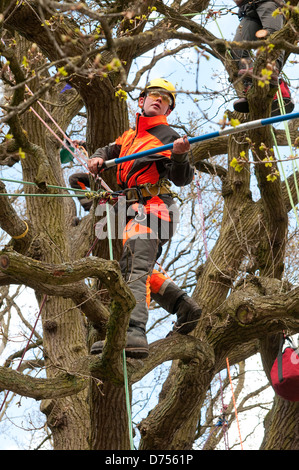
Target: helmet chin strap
[(142, 109)]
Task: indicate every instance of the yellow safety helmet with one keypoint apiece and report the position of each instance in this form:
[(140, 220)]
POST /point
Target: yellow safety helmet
[(162, 84)]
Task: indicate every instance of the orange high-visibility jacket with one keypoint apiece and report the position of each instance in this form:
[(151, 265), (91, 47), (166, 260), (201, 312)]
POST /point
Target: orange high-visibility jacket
[(149, 133)]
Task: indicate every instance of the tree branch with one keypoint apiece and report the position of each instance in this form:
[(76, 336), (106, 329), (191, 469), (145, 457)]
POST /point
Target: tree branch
[(175, 347), (64, 280), (262, 307), (108, 366), (12, 224), (39, 389)]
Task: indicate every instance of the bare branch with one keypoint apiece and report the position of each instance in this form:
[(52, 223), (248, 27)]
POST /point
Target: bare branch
[(41, 388)]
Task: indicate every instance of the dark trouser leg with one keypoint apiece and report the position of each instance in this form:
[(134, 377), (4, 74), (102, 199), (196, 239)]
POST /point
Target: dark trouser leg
[(271, 24), (136, 265), (143, 241), (245, 32), (175, 301), (257, 17)]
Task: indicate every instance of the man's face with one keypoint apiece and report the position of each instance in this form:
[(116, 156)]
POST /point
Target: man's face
[(155, 103)]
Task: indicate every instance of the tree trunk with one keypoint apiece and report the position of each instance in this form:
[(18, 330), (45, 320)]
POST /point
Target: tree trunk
[(108, 406), (68, 418), (282, 426), (109, 417)]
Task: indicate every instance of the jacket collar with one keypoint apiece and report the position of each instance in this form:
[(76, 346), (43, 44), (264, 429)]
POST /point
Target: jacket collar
[(146, 122)]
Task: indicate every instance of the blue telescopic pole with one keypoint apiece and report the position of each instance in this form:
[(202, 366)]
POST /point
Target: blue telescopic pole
[(229, 130)]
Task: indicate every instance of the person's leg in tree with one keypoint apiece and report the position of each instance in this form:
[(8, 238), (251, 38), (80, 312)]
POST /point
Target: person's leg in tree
[(143, 240), (139, 255), (246, 31), (271, 24), (175, 301), (81, 181)]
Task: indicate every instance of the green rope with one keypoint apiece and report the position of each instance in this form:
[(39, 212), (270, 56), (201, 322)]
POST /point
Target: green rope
[(128, 401), (288, 136), (287, 131), (285, 179), (104, 194), (34, 184), (219, 29), (127, 393), (42, 195)]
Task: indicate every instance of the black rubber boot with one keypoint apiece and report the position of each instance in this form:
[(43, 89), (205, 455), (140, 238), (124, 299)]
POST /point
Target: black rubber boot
[(136, 346), (288, 105), (176, 301), (188, 314), (241, 105), (97, 347)]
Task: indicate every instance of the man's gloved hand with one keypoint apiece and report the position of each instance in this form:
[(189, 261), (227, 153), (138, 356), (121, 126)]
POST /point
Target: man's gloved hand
[(95, 165)]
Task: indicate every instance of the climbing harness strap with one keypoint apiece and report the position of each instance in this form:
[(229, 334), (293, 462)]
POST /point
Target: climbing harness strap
[(147, 190)]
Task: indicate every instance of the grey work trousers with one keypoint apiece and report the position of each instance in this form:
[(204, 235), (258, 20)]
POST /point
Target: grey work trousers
[(257, 15), (144, 239)]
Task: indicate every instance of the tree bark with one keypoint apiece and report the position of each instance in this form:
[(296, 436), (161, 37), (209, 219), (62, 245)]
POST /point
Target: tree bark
[(282, 426), (239, 312)]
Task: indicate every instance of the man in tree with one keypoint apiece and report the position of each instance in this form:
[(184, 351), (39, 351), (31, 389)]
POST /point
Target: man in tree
[(152, 213), (258, 21)]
